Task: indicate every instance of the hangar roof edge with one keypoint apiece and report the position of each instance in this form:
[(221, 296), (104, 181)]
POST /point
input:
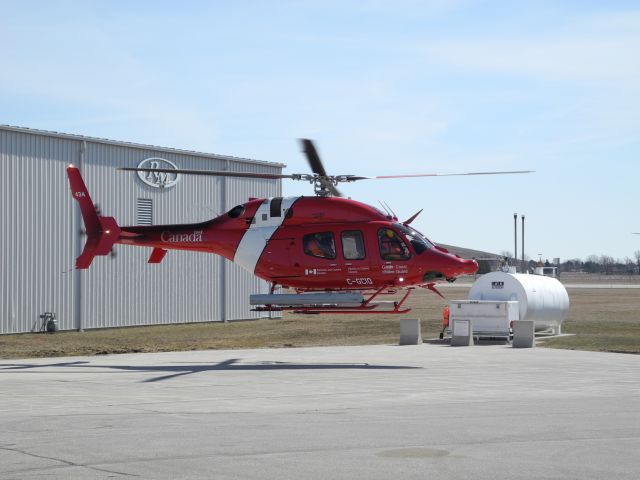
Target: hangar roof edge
[(71, 136), (465, 252)]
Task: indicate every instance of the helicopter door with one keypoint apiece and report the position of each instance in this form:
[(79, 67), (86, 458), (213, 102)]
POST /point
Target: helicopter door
[(394, 255), (357, 263), (275, 263), (317, 257)]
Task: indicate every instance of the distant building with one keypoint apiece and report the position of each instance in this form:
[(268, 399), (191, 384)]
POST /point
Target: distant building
[(487, 262)]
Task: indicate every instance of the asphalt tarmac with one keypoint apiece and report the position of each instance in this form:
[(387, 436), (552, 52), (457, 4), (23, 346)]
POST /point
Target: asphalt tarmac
[(428, 411)]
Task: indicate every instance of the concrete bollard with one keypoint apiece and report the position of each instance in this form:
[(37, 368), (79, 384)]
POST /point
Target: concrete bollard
[(461, 333), (523, 334), (410, 333)]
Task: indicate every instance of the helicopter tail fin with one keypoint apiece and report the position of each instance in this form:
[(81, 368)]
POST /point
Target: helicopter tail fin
[(102, 232)]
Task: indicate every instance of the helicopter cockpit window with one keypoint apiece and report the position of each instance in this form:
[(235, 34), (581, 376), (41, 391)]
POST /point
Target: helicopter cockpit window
[(353, 245), (419, 242), (321, 245), (236, 211), (392, 247)]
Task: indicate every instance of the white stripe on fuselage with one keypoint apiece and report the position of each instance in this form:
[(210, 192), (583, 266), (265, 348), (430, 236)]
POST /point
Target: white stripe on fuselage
[(258, 234)]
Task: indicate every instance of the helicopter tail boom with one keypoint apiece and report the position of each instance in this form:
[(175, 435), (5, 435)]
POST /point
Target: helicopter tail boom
[(102, 232)]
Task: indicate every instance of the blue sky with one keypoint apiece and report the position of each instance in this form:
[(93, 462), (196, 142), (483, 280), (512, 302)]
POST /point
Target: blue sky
[(383, 87)]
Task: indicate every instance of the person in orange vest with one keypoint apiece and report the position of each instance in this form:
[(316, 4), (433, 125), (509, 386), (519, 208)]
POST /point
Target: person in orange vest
[(445, 320)]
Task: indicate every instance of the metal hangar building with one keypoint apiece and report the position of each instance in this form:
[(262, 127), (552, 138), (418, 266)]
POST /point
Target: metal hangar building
[(42, 234)]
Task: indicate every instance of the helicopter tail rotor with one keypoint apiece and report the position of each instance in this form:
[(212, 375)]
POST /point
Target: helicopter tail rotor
[(102, 232)]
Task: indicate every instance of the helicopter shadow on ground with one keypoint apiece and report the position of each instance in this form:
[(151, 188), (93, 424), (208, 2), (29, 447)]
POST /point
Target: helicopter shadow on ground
[(178, 370)]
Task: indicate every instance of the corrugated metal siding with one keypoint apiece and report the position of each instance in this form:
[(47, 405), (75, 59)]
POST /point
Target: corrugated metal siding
[(36, 243), (39, 242)]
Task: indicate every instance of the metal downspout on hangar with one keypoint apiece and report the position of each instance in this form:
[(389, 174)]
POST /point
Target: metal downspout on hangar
[(42, 234)]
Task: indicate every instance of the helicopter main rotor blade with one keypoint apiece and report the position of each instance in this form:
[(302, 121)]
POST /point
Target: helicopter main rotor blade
[(325, 180), (313, 158), (450, 174), (317, 167), (323, 184), (216, 173)]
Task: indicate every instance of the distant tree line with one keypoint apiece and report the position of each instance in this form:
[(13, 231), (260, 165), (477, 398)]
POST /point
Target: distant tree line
[(602, 264)]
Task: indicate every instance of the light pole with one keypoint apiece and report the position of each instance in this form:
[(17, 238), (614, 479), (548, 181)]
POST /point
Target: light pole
[(523, 265), (515, 240)]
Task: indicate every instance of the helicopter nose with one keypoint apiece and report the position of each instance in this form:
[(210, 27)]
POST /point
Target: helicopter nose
[(465, 267), (470, 267)]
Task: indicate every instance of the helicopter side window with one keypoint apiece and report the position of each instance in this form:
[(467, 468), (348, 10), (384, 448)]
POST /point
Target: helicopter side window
[(321, 245), (353, 245), (391, 245)]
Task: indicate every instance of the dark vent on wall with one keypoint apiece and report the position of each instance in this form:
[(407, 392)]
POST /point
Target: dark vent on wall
[(145, 211)]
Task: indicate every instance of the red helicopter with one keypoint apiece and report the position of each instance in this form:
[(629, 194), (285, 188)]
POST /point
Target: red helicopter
[(337, 254)]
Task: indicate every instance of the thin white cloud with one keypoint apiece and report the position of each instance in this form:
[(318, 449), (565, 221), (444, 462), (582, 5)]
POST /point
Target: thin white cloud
[(99, 84), (592, 50)]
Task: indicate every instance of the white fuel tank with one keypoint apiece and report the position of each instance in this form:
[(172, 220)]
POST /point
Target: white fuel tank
[(541, 299)]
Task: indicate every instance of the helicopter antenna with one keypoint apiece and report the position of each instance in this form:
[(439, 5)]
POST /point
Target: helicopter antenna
[(391, 209), (385, 209)]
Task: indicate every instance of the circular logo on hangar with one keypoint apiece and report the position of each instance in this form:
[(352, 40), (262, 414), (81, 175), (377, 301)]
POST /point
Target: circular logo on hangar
[(161, 177)]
